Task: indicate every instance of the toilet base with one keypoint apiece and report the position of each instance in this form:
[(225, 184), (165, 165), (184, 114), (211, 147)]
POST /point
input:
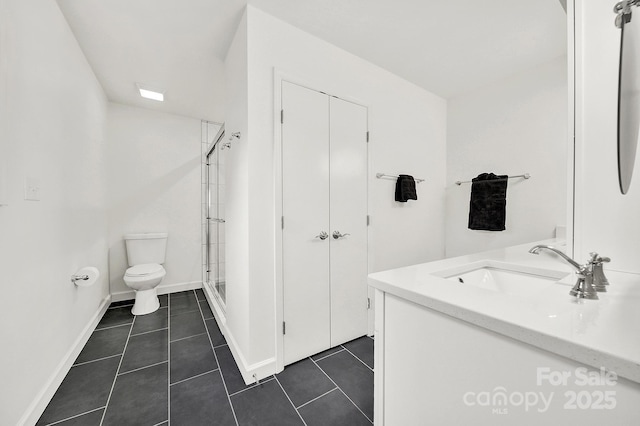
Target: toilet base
[(146, 302)]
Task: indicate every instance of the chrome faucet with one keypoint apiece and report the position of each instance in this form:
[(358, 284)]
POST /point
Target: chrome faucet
[(584, 287), (536, 250)]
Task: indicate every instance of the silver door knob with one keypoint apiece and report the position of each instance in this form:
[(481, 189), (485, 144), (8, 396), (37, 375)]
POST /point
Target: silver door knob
[(338, 234), (323, 235)]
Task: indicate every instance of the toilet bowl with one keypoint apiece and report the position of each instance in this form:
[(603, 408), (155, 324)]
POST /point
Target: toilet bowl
[(146, 254), (144, 279)]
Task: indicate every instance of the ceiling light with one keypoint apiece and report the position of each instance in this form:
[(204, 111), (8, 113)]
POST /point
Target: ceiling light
[(147, 93)]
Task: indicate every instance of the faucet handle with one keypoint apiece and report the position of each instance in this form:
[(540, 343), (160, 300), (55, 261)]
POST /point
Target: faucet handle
[(600, 281), (584, 289), (596, 258)]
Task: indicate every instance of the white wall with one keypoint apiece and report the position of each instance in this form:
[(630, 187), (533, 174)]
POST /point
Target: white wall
[(53, 131), (408, 128), (236, 195), (514, 126), (154, 168), (606, 221)]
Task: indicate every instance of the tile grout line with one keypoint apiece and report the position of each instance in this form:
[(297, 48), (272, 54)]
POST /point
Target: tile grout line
[(150, 331), (200, 302), (189, 309), (106, 406), (120, 306), (356, 357), (224, 383), (331, 354), (76, 416), (343, 392), (142, 368), (112, 326), (254, 385), (316, 398), (291, 402), (183, 313), (193, 377), (188, 337), (96, 360)]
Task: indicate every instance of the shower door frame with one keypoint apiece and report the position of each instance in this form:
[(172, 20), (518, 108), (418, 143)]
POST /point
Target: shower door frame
[(219, 137)]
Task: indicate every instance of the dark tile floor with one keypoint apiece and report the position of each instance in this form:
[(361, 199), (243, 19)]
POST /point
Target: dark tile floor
[(174, 367)]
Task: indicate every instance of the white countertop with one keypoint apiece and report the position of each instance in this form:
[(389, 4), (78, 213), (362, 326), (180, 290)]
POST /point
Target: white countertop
[(599, 333)]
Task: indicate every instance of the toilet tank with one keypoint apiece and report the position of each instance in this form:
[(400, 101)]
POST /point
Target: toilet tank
[(146, 248)]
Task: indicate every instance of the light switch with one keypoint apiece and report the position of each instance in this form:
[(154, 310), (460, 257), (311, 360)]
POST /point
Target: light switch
[(32, 189)]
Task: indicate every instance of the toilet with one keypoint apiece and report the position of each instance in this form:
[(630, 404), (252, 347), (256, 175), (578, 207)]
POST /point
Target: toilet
[(145, 254)]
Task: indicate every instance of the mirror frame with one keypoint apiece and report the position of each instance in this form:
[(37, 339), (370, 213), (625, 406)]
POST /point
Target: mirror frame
[(628, 114)]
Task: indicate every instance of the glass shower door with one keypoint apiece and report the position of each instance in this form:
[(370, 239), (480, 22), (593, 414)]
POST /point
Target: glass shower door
[(215, 219)]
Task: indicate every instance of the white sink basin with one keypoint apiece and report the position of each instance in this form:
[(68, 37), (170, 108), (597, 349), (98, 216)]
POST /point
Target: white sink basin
[(507, 278)]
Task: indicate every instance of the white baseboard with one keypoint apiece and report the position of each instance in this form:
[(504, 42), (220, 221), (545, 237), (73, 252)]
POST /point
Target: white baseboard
[(162, 289), (250, 372), (40, 402)]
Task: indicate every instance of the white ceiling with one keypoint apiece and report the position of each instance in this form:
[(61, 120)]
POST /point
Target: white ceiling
[(178, 46), (446, 47)]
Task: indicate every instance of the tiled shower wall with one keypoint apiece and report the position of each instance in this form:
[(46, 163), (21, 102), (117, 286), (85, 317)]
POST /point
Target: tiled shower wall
[(209, 131)]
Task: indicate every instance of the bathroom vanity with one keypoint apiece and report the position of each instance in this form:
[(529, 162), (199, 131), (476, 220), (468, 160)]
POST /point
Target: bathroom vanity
[(494, 338)]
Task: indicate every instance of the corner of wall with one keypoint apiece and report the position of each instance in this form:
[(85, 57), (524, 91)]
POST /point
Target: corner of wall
[(237, 193)]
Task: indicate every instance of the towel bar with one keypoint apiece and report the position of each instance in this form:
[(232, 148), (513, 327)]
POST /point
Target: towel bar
[(381, 175), (525, 176)]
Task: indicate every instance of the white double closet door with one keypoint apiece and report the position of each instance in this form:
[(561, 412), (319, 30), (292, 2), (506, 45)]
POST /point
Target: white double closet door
[(324, 175)]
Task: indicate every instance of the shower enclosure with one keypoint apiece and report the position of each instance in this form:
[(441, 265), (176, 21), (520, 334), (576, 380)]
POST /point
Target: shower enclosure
[(214, 222)]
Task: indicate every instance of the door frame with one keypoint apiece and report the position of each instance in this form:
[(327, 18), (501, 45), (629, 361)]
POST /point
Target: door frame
[(278, 77)]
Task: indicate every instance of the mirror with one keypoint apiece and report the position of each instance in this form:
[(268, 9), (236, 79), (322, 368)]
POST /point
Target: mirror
[(628, 93), (513, 125)]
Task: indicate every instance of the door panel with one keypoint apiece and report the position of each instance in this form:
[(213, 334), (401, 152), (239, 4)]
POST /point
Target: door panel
[(348, 215), (305, 198)]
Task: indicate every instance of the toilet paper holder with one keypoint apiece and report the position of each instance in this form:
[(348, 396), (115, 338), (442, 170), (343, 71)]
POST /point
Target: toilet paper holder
[(75, 278), (86, 276)]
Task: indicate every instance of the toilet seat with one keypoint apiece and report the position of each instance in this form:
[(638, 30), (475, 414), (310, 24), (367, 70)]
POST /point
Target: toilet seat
[(144, 270), (146, 253)]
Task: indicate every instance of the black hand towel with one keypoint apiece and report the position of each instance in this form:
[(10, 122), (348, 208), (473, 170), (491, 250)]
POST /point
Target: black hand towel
[(487, 208), (406, 189)]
